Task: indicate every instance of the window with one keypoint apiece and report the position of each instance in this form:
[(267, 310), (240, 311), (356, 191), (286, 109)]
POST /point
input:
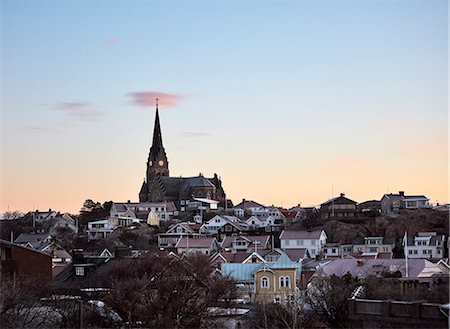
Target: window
[(265, 282), (415, 252), (325, 250), (424, 252), (410, 252), (79, 271), (284, 282), (286, 243), (313, 242), (333, 251)]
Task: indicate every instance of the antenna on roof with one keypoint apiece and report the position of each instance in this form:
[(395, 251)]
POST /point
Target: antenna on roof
[(157, 99)]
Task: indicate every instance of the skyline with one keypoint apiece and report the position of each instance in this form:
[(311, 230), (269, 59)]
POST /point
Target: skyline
[(285, 101)]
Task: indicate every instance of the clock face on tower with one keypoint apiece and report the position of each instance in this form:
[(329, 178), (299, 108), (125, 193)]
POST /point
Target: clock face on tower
[(161, 163)]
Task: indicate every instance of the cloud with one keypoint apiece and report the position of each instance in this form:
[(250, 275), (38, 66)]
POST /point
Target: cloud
[(111, 41), (148, 99), (192, 134), (44, 129), (79, 110)]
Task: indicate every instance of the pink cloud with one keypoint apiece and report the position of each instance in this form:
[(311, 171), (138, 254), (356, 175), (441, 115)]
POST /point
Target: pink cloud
[(80, 110), (148, 99), (111, 41)]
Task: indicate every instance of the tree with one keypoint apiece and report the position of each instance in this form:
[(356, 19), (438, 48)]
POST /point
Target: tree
[(164, 291), (327, 297)]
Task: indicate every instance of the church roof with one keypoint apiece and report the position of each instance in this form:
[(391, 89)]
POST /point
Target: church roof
[(144, 189), (197, 181)]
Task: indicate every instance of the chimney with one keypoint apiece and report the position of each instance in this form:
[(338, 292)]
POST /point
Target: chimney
[(359, 262), (342, 195), (128, 201), (49, 209), (402, 193), (243, 200)]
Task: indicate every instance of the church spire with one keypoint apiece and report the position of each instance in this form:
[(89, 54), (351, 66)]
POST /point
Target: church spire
[(157, 137)]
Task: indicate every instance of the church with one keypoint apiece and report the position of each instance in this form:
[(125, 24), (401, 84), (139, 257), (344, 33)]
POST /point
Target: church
[(158, 186)]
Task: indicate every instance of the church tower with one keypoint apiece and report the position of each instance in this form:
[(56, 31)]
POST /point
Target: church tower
[(157, 159), (157, 166)]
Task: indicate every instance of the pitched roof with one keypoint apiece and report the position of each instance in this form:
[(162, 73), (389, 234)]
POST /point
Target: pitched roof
[(341, 197), (37, 241), (371, 267), (291, 235), (185, 242), (296, 254), (240, 272), (237, 257), (263, 239), (245, 204)]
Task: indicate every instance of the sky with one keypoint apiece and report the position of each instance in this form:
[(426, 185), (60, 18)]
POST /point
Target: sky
[(289, 102)]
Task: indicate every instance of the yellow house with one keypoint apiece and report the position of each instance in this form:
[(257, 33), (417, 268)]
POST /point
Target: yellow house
[(276, 282)]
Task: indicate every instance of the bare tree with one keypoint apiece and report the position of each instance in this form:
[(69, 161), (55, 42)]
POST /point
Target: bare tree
[(327, 298)]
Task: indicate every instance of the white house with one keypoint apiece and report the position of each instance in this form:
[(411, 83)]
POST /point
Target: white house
[(164, 210), (255, 221), (426, 245), (265, 212), (373, 244), (177, 231), (100, 229), (313, 241), (244, 243), (212, 226)]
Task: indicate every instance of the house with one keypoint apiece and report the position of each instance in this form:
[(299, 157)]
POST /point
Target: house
[(175, 232), (246, 243), (266, 212), (313, 241), (373, 245), (338, 207), (42, 216), (332, 250), (232, 228), (442, 207), (44, 242), (100, 229), (363, 268), (297, 255), (304, 213), (19, 262), (273, 282), (205, 246), (371, 208), (212, 226), (165, 211), (426, 245), (64, 222), (392, 203), (247, 206), (256, 222)]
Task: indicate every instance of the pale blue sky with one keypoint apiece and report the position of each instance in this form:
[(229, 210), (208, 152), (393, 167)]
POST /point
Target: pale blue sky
[(281, 98)]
